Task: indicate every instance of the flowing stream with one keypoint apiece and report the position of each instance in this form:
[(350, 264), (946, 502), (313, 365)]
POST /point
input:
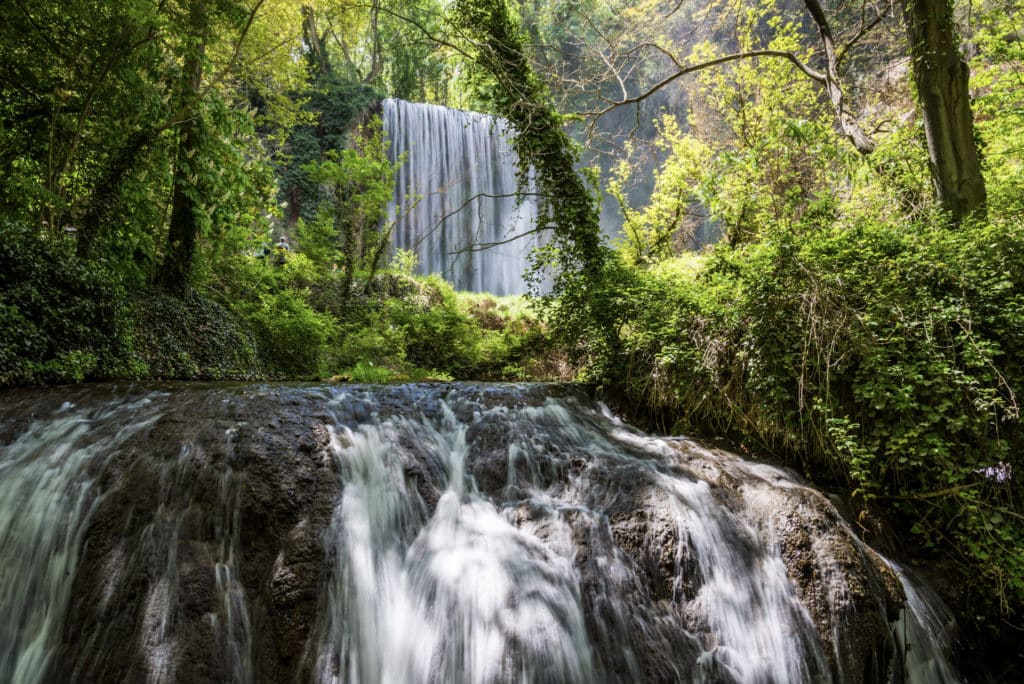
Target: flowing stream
[(422, 533), (455, 201)]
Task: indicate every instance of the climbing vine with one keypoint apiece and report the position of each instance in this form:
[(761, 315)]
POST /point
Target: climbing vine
[(581, 301)]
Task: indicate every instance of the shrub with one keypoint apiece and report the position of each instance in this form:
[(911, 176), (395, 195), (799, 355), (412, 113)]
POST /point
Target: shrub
[(193, 339), (367, 372), (889, 356), (291, 336), (437, 333), (62, 319)]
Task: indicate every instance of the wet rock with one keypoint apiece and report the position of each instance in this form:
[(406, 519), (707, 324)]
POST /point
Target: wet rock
[(207, 557), (851, 594), (239, 501)]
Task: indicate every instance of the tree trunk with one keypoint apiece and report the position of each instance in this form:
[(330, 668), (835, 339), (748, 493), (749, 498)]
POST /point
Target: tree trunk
[(941, 77), (376, 56), (318, 59), (181, 237), (105, 192)]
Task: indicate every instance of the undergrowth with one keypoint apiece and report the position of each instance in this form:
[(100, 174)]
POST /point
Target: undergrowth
[(64, 319), (885, 357)]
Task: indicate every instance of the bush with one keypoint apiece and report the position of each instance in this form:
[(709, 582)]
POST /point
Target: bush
[(62, 319), (193, 339), (291, 336), (887, 356), (421, 329), (437, 333), (68, 320), (367, 372), (514, 344)]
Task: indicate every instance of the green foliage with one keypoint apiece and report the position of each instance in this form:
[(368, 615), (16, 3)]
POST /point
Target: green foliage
[(291, 336), (437, 332), (62, 319), (414, 68), (193, 338), (366, 372), (889, 356), (423, 329), (996, 77), (403, 328), (233, 186), (512, 343), (666, 224), (92, 122), (761, 151), (335, 105), (360, 182)]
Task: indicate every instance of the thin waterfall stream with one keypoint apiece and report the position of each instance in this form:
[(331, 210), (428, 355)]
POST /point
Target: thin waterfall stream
[(422, 533)]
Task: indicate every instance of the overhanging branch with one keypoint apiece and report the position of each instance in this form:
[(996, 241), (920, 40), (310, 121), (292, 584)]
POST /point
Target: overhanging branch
[(852, 131), (684, 70)]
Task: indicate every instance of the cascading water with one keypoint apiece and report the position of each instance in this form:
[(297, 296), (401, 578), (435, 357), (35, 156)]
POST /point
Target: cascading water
[(423, 533), (922, 634), (47, 496), (455, 200), (457, 594), (55, 481)]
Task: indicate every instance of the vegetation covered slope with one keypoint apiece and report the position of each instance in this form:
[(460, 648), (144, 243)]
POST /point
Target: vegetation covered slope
[(151, 157), (852, 322)]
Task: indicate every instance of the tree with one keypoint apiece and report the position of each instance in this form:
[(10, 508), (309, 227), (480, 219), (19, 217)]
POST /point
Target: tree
[(360, 182), (181, 237), (584, 301), (942, 80), (940, 75), (76, 111), (224, 48), (133, 132)]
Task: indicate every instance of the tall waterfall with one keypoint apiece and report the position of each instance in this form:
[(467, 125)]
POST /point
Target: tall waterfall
[(425, 533), (454, 202)]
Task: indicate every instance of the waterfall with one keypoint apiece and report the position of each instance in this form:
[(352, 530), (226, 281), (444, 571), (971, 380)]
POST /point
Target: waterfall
[(454, 202), (47, 497), (922, 634), (460, 595), (422, 533)]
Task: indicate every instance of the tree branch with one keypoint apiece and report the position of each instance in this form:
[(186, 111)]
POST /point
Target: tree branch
[(683, 71), (853, 132)]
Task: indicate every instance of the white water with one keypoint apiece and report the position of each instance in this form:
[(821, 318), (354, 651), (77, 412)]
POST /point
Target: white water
[(454, 202), (49, 491), (476, 538), (47, 497), (163, 541), (473, 593), (762, 633), (459, 595), (922, 635)]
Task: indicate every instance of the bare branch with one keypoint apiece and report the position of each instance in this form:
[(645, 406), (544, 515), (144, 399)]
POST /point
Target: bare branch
[(483, 195), (865, 28), (481, 246), (781, 54), (852, 131), (219, 77)]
